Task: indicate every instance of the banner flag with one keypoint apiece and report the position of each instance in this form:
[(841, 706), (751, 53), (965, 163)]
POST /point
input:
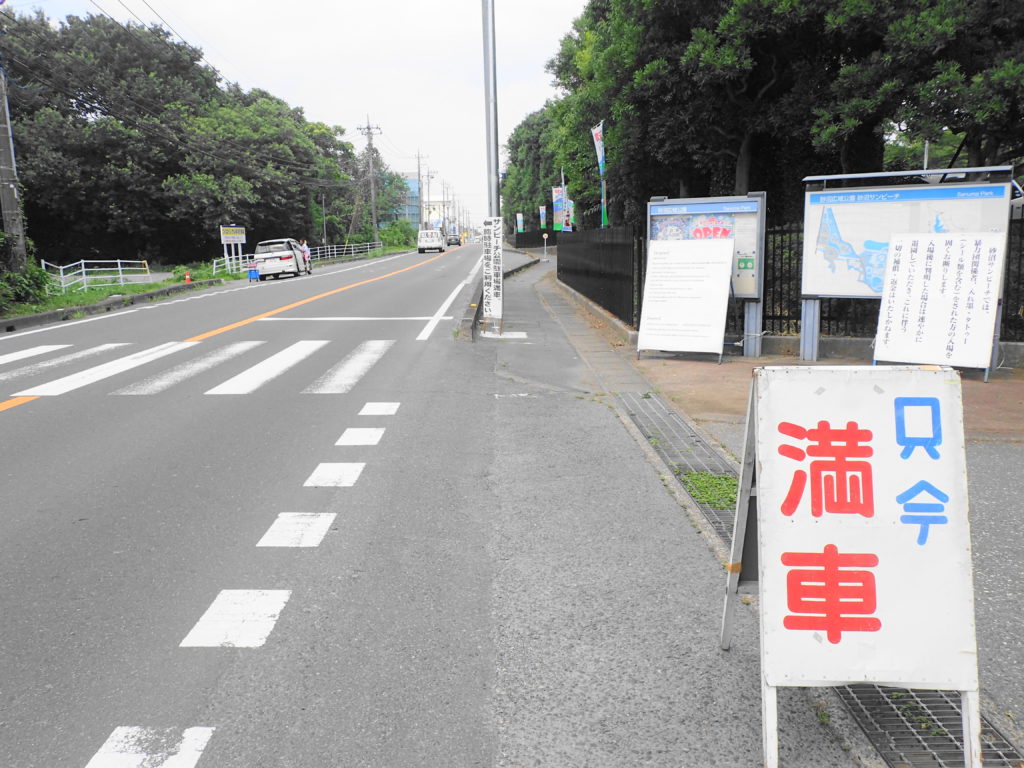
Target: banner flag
[(543, 217), (557, 208)]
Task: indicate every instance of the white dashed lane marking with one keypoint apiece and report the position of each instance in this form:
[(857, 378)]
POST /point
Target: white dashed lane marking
[(298, 529), (106, 370), (349, 371), (252, 379), (179, 373), (238, 618), (361, 436), (379, 409), (134, 747), (334, 475)]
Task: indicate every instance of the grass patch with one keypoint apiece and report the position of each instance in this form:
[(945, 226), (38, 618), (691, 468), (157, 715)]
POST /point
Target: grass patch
[(715, 491)]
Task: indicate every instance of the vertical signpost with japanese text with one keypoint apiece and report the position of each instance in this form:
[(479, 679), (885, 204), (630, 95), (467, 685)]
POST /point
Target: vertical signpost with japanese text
[(491, 306), (862, 512)]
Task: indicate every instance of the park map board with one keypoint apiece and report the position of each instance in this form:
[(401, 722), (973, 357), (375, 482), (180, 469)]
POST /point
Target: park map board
[(847, 232)]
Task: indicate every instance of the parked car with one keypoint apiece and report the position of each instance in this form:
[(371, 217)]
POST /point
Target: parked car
[(454, 239), (430, 240), (274, 258)]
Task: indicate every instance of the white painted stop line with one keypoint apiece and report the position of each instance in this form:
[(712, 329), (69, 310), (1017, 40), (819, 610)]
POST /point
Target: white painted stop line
[(335, 475), (238, 618), (361, 436), (298, 529), (341, 378), (106, 370), (254, 378), (379, 409), (135, 747)]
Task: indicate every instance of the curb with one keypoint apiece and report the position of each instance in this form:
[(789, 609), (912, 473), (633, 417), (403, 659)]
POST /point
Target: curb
[(11, 324), (470, 322)]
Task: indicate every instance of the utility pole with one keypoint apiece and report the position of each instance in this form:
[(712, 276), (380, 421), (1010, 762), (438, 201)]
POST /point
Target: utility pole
[(428, 176), (368, 131), (491, 99), (419, 187), (14, 228)]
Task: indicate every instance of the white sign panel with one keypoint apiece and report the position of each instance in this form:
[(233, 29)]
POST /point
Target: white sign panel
[(865, 548), (230, 235), (686, 295), (940, 299), (492, 269), (847, 232)]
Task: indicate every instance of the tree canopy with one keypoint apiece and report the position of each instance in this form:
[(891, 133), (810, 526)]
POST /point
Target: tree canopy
[(129, 146), (728, 96)]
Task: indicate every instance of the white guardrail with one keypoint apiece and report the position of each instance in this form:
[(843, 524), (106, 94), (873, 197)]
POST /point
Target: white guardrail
[(93, 274), (240, 262)]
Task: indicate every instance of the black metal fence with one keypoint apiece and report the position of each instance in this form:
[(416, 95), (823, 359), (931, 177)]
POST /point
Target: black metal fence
[(535, 239), (607, 266)]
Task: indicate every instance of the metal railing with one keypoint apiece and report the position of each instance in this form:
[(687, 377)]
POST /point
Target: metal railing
[(94, 274), (235, 263)]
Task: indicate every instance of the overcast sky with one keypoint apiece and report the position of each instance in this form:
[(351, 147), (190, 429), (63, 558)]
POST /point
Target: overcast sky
[(414, 67)]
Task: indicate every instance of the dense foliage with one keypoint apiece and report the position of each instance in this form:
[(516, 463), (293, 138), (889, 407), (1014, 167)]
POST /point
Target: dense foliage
[(129, 146), (728, 96)]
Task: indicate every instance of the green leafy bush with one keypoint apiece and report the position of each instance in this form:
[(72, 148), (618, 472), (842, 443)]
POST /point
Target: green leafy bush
[(28, 287)]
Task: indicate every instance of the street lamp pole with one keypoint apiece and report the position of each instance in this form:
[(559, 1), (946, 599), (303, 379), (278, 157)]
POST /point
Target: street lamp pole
[(491, 96)]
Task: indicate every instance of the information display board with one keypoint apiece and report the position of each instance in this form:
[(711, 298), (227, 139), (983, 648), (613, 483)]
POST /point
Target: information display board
[(686, 295), (740, 219), (862, 513), (231, 235), (940, 299), (491, 306), (847, 232)]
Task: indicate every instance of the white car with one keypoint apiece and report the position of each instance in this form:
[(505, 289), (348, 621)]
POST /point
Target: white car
[(430, 240), (274, 258)]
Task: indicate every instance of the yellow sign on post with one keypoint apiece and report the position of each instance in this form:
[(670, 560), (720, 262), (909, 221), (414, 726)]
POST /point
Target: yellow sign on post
[(231, 235)]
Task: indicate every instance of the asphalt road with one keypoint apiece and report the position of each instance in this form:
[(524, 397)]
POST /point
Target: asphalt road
[(491, 572)]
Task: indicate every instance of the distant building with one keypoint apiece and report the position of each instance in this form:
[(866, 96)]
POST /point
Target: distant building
[(410, 210)]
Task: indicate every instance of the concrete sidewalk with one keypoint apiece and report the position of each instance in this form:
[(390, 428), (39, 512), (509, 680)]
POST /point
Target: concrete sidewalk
[(713, 397)]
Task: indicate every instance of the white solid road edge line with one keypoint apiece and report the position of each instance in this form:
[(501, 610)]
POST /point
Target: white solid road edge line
[(238, 618), (298, 529), (135, 747), (430, 326)]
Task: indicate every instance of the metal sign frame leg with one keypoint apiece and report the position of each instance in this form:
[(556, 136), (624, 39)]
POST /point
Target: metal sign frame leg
[(970, 714), (769, 724)]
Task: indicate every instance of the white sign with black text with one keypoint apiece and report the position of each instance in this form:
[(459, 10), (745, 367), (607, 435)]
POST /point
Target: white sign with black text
[(940, 298), (492, 271)]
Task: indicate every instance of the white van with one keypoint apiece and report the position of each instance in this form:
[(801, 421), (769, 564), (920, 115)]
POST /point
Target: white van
[(274, 258), (430, 240)]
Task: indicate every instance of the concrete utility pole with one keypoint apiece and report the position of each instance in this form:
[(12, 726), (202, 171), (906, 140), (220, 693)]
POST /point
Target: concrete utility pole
[(368, 131), (14, 228), (491, 97), (428, 175), (419, 188)]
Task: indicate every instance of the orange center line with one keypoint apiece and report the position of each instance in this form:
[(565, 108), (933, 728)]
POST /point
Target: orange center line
[(293, 305), (15, 401)]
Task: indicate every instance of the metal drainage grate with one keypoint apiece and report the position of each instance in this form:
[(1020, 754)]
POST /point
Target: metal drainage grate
[(909, 728), (682, 449), (914, 728)]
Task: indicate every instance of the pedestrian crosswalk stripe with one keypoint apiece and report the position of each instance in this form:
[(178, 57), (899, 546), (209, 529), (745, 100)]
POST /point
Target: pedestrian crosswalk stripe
[(179, 373), (379, 409), (361, 436), (297, 529), (54, 362), (336, 475), (135, 747), (106, 370), (238, 618), (23, 354), (341, 378), (255, 377)]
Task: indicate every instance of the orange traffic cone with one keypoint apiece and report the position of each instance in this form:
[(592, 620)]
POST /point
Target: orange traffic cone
[(188, 277)]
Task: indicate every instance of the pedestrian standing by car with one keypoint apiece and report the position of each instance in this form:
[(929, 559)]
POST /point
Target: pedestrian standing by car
[(306, 255)]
